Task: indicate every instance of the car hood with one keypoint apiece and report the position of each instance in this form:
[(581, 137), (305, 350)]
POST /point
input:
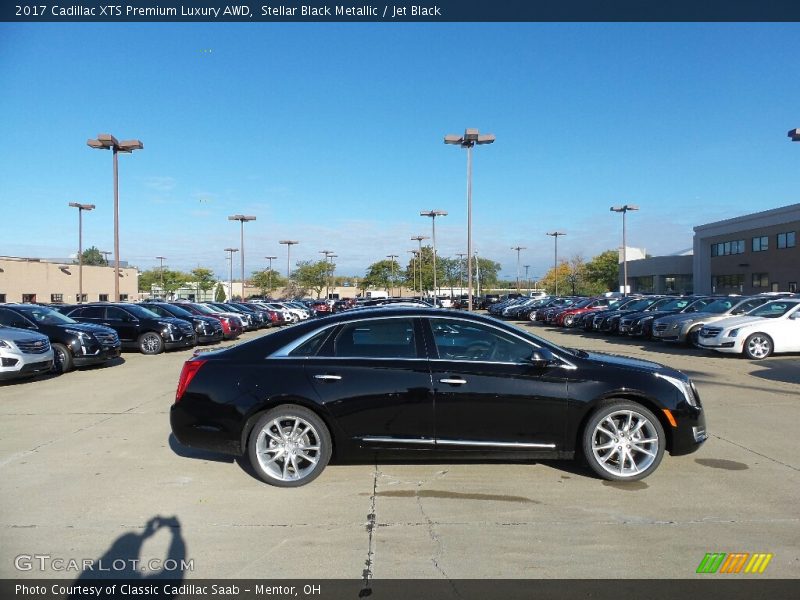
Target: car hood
[(615, 360), (19, 335), (737, 321), (685, 317), (87, 327)]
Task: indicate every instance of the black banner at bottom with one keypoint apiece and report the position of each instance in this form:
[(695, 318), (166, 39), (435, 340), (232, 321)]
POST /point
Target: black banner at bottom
[(712, 588)]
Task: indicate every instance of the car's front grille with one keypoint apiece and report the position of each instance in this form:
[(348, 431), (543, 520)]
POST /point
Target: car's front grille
[(107, 339), (186, 329), (660, 327), (708, 332), (34, 347)]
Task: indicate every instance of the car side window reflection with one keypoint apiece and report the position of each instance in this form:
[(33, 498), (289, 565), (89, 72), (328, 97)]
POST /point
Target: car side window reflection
[(464, 340), (379, 338)]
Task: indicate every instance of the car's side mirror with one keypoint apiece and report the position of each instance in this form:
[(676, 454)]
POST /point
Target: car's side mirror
[(542, 358)]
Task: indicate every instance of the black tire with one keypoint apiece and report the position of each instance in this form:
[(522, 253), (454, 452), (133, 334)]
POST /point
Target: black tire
[(151, 343), (758, 346), (62, 358), (634, 450), (569, 321), (693, 337), (286, 429)]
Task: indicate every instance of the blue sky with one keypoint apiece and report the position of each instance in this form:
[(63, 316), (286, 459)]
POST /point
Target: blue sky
[(331, 134)]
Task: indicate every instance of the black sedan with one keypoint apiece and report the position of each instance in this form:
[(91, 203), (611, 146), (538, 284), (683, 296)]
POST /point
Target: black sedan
[(429, 382)]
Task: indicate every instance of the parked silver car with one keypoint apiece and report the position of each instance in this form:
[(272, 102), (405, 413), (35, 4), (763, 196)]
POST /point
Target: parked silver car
[(23, 353), (686, 327)]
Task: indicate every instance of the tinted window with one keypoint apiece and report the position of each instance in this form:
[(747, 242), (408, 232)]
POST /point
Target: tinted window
[(159, 311), (44, 315), (117, 314), (312, 345), (380, 338), (140, 312), (12, 319), (465, 340), (91, 312)]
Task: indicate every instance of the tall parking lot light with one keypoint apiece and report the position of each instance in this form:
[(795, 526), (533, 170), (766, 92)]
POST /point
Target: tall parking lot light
[(230, 252), (555, 235), (624, 209), (518, 248), (391, 257), (81, 208), (242, 220), (106, 141), (470, 138), (794, 134), (528, 279), (289, 244), (461, 256), (433, 214), (161, 270), (419, 239), (270, 259), (327, 253), (413, 254)]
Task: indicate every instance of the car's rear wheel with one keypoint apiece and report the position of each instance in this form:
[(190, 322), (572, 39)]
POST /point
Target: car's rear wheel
[(151, 343), (289, 446), (62, 362), (569, 320), (623, 441), (758, 346)]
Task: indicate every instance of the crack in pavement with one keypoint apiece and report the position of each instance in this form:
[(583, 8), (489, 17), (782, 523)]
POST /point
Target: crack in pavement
[(367, 572), (775, 460)]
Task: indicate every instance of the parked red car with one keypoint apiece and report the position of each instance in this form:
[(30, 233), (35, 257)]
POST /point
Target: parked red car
[(566, 318)]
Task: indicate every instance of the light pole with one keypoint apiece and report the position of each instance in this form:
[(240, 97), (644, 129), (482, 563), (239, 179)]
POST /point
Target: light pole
[(470, 138), (528, 279), (327, 253), (518, 248), (419, 239), (624, 209), (478, 272), (270, 258), (433, 214), (81, 208), (413, 270), (555, 235), (794, 134), (106, 141), (230, 252), (161, 269), (289, 244), (391, 257), (242, 219), (333, 268), (461, 256)]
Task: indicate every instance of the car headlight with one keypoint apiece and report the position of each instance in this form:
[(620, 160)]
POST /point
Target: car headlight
[(4, 344), (685, 387), (733, 333), (168, 326), (81, 335)]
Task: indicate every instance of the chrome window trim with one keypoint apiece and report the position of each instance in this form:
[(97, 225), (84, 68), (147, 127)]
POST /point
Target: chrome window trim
[(284, 351), (391, 440)]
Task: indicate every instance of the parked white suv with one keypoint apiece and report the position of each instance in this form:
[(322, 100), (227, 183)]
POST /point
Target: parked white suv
[(23, 353)]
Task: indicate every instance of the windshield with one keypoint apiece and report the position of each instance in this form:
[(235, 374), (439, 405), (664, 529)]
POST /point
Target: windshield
[(718, 307), (772, 310), (178, 311), (45, 316), (206, 309), (639, 304), (141, 312), (676, 304), (699, 305)]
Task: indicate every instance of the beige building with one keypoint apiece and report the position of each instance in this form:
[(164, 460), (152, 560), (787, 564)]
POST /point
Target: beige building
[(39, 280)]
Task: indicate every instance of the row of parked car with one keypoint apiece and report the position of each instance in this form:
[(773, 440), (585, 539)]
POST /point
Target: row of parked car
[(37, 338), (754, 326)]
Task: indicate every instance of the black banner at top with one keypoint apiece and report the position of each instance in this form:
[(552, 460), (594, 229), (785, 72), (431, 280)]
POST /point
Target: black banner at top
[(277, 11)]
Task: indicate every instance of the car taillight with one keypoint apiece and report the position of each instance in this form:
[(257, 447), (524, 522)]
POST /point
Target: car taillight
[(189, 370)]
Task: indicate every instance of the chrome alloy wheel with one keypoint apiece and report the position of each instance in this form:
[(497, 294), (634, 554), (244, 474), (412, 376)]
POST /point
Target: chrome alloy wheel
[(625, 443), (288, 448), (758, 346)]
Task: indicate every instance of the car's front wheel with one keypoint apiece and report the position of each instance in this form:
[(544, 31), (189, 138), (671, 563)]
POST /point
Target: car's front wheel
[(151, 343), (623, 441), (757, 346), (62, 362), (289, 446)]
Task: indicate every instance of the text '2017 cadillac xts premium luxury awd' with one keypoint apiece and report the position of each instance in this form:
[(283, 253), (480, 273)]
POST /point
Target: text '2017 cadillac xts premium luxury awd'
[(433, 383)]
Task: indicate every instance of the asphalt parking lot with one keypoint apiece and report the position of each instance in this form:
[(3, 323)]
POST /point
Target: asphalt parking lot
[(86, 461)]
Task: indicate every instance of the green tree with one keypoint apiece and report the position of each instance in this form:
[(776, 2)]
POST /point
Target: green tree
[(384, 274), (266, 284), (488, 270), (93, 257), (203, 280), (313, 275), (219, 295), (603, 270)]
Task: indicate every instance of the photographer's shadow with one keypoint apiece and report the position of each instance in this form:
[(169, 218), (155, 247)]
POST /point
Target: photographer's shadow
[(123, 560)]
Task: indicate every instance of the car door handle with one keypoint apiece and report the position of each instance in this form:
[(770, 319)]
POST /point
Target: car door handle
[(328, 377), (453, 381)]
